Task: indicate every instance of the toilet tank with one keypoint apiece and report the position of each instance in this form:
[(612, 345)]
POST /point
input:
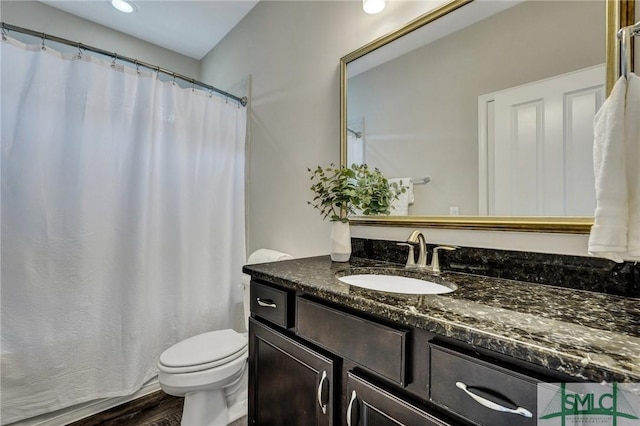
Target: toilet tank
[(246, 280)]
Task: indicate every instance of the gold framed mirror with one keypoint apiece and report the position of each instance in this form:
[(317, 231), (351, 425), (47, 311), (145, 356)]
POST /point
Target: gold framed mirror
[(615, 15)]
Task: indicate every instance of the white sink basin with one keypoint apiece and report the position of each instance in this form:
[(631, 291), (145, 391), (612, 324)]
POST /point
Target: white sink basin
[(395, 284)]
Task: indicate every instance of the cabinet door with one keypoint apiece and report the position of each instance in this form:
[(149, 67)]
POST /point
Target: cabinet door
[(370, 405), (289, 383)]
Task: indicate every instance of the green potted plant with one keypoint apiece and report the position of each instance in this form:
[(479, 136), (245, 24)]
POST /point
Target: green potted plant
[(344, 191)]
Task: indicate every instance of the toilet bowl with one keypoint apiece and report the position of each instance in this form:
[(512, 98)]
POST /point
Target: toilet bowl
[(203, 369), (211, 368)]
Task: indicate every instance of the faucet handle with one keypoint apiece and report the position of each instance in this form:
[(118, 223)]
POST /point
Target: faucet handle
[(435, 260), (450, 248), (411, 260)]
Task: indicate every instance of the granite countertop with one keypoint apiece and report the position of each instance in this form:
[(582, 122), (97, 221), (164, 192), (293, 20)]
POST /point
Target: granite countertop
[(590, 335)]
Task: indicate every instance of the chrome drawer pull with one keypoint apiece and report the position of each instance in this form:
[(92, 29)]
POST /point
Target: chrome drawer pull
[(266, 303), (353, 398), (323, 406), (492, 405)]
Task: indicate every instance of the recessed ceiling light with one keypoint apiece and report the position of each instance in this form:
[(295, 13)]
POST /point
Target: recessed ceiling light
[(124, 6), (373, 6)]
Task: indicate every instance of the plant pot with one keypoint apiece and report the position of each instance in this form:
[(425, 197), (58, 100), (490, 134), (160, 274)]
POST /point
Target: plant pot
[(340, 242)]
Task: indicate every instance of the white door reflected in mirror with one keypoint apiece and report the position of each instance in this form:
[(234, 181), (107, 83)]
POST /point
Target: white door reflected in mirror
[(535, 146)]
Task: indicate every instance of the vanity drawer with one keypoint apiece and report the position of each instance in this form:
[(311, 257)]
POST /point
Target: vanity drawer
[(375, 346), (452, 371), (273, 304)]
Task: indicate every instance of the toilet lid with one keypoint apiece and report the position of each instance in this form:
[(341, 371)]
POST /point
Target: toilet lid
[(204, 348)]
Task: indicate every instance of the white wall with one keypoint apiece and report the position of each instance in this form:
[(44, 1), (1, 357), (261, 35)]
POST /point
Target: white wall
[(42, 18), (291, 50)]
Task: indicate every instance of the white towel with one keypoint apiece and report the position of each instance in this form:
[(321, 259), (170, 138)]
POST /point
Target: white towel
[(267, 255), (632, 139), (263, 256), (615, 233), (400, 207)]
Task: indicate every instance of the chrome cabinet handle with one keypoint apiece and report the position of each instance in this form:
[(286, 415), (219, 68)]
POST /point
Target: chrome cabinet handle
[(492, 405), (323, 406), (349, 408), (266, 303)]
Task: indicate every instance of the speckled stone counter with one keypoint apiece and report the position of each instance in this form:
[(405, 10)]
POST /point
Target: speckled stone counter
[(589, 335)]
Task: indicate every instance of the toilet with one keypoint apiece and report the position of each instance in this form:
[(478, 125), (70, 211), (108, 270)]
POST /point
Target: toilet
[(204, 369), (210, 370)]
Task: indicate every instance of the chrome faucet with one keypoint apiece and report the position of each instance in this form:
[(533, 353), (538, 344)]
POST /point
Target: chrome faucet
[(416, 237)]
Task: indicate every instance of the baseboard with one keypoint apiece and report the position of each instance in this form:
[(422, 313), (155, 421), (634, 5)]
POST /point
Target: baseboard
[(81, 411)]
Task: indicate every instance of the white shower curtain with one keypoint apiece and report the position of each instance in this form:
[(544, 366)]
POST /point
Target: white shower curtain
[(122, 225)]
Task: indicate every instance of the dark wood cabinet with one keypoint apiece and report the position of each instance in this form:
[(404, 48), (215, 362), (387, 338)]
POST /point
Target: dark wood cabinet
[(371, 405), (289, 383), (372, 345), (482, 391), (273, 304), (316, 363)]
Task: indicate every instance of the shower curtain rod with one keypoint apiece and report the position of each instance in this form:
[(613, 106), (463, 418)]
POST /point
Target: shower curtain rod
[(8, 27)]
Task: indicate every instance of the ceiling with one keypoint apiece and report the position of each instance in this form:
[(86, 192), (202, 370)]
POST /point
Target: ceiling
[(191, 28)]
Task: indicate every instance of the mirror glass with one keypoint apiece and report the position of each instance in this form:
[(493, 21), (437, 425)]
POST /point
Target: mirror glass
[(486, 111)]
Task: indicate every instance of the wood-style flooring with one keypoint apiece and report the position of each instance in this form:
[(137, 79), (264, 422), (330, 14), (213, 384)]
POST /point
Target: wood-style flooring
[(155, 409)]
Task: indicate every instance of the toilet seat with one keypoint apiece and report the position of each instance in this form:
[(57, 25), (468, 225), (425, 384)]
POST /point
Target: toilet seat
[(204, 351)]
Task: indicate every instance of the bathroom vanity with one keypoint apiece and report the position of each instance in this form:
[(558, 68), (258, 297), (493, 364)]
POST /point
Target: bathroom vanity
[(327, 353)]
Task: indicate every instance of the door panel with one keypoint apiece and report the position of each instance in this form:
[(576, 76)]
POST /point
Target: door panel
[(289, 384), (371, 405), (537, 159)]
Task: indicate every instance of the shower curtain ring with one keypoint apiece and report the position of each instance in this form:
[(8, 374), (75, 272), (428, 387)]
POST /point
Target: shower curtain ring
[(44, 37), (174, 79), (4, 33), (113, 61), (137, 67), (79, 51)]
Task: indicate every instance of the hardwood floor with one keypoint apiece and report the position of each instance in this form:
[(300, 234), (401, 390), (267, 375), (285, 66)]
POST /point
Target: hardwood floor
[(240, 422), (156, 409)]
